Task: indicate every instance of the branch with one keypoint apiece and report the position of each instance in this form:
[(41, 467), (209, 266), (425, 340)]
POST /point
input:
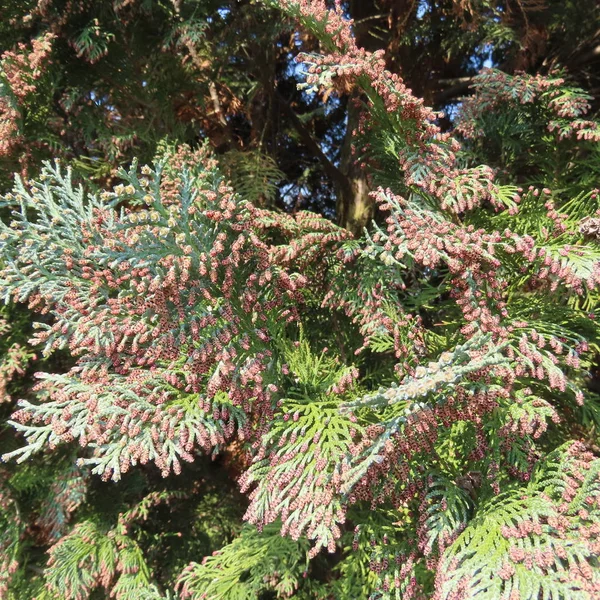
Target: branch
[(455, 81), (457, 87), (216, 104), (330, 169), (591, 55)]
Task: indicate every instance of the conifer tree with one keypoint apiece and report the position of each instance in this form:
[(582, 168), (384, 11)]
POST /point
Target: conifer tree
[(211, 393)]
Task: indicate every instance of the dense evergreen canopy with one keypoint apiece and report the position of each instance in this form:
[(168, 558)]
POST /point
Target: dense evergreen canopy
[(300, 299)]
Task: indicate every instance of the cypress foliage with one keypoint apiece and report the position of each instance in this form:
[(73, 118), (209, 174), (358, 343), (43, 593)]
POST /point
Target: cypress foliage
[(233, 401)]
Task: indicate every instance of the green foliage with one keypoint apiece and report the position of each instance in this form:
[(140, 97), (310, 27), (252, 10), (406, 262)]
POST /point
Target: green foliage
[(255, 562), (15, 353), (535, 542), (12, 528), (253, 175), (89, 556), (302, 451)]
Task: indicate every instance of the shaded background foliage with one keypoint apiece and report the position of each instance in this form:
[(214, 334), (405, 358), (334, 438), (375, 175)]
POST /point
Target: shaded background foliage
[(122, 77)]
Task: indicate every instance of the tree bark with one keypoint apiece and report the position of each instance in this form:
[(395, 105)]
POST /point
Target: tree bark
[(355, 207)]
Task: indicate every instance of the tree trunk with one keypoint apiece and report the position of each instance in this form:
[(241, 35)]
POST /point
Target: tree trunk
[(355, 207)]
